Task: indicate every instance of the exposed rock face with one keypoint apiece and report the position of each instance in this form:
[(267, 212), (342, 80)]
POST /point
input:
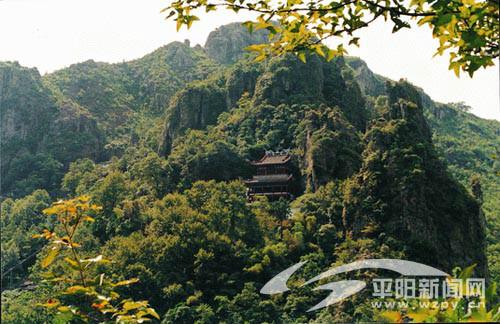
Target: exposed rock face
[(26, 106), (405, 189), (370, 83), (330, 146), (288, 80), (195, 107), (36, 126), (101, 88), (241, 79), (160, 74), (283, 80), (227, 43), (74, 134)]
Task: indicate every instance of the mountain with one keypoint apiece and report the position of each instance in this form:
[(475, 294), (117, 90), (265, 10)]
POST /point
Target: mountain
[(163, 142), (41, 132)]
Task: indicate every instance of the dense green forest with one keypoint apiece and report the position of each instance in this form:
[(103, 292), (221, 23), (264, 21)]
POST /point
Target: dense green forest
[(162, 144)]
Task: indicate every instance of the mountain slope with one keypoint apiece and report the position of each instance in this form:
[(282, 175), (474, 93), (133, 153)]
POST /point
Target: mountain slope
[(40, 133), (163, 142)]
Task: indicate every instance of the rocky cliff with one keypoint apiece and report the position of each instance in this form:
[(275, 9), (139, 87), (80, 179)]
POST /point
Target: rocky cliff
[(40, 134), (404, 189)]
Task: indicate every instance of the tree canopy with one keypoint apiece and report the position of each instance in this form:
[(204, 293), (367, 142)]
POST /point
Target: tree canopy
[(467, 30)]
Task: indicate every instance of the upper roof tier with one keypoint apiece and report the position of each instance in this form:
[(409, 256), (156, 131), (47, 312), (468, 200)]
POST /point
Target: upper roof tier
[(270, 158)]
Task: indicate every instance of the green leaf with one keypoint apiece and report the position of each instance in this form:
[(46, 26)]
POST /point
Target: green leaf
[(467, 272), (354, 41), (190, 20), (248, 25), (491, 291), (170, 14), (63, 318)]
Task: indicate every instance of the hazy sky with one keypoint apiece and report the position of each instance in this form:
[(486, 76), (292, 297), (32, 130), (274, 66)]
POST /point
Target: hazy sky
[(52, 34)]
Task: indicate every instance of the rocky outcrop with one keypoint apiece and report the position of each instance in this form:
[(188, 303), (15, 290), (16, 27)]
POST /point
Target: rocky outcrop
[(74, 134), (330, 147), (288, 80), (39, 128), (404, 189), (160, 74), (26, 106), (195, 107), (227, 43), (371, 84), (241, 79)]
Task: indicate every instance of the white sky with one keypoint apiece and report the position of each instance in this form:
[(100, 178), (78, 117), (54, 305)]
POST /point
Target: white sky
[(52, 34)]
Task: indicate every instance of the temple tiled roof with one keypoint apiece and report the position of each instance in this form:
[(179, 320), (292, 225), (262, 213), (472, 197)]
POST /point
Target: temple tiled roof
[(273, 159)]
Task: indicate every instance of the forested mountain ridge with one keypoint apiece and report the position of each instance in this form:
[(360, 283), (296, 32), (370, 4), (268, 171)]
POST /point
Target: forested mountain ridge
[(377, 163)]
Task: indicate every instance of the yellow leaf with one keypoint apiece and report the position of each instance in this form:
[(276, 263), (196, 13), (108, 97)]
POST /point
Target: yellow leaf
[(331, 54), (126, 282), (418, 317), (54, 209), (84, 198), (260, 58), (302, 57), (76, 289), (88, 219), (63, 309), (456, 69), (255, 47), (97, 259), (74, 245), (72, 262), (320, 52), (134, 305), (393, 316), (153, 313), (51, 303), (425, 20), (50, 257)]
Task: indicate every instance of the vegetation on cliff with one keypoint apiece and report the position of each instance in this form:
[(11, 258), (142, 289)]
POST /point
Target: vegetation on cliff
[(163, 142)]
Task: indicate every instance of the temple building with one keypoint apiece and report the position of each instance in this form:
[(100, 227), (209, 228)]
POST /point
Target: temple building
[(273, 176)]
